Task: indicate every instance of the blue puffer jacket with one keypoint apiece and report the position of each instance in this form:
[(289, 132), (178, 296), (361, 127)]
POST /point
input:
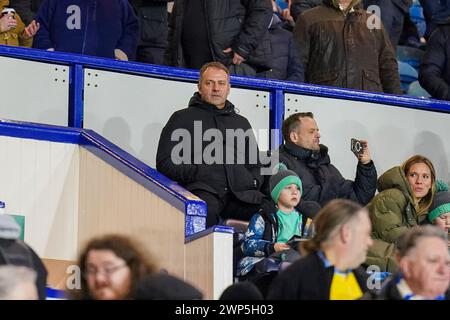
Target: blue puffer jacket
[(92, 27), (260, 239), (434, 75)]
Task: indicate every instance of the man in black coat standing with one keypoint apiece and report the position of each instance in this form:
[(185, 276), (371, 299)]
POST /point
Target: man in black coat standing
[(152, 16), (434, 74), (322, 182), (211, 150), (233, 32)]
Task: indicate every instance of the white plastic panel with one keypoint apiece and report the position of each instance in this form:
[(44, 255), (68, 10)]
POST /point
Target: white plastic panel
[(34, 91), (131, 110), (40, 180), (394, 133)]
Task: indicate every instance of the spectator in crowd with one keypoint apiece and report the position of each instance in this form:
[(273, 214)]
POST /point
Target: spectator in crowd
[(231, 190), (152, 16), (269, 234), (285, 54), (300, 6), (160, 286), (17, 283), (393, 14), (331, 268), (322, 182), (281, 9), (410, 35), (434, 74), (235, 34), (111, 267), (439, 214), (26, 9), (424, 272), (435, 12), (12, 30), (405, 196), (14, 251), (337, 48), (244, 290), (104, 28)]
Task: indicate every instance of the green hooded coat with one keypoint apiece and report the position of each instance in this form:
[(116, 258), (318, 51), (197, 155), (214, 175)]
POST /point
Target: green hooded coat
[(392, 212)]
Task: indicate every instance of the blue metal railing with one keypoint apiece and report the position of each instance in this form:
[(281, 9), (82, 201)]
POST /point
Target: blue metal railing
[(277, 88)]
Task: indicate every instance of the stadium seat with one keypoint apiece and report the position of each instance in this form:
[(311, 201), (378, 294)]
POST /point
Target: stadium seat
[(416, 90), (407, 75), (410, 55)]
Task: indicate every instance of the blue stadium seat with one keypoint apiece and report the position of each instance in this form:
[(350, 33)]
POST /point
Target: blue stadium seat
[(410, 55), (407, 75), (416, 90)]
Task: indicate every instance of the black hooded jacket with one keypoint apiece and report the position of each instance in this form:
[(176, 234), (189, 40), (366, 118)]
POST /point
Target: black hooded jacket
[(242, 178), (321, 180)]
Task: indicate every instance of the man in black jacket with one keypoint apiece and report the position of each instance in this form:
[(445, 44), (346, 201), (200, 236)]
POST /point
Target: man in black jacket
[(217, 158), (322, 182), (233, 32), (152, 16), (434, 74), (26, 9)]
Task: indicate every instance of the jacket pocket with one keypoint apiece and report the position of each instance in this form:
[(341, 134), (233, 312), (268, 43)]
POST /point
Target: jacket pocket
[(153, 24), (371, 81)]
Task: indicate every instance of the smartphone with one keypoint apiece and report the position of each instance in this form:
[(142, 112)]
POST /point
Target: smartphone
[(356, 146)]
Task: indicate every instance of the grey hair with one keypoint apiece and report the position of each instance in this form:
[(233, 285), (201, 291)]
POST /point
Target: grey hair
[(411, 238), (12, 276)]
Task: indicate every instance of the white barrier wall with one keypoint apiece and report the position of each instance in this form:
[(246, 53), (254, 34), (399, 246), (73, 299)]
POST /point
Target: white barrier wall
[(34, 91), (394, 133), (132, 110), (40, 181)]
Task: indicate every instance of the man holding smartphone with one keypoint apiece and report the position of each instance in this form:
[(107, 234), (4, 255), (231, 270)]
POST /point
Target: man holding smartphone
[(322, 182)]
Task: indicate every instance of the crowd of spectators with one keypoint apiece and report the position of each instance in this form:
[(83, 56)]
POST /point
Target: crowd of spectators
[(343, 43)]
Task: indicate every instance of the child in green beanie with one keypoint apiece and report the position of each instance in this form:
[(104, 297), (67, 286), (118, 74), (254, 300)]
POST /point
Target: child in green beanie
[(439, 212), (268, 233)]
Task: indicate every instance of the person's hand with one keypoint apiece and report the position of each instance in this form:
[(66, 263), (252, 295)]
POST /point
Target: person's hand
[(31, 29), (365, 157), (280, 246), (286, 15), (7, 22), (237, 59)]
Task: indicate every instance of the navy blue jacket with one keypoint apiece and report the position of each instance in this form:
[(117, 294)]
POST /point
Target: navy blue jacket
[(285, 54), (104, 25), (434, 75)]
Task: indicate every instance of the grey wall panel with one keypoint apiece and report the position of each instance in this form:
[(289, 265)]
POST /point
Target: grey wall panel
[(394, 133), (131, 110), (34, 91)]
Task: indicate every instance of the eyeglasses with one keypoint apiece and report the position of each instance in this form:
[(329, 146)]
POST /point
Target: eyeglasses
[(107, 271)]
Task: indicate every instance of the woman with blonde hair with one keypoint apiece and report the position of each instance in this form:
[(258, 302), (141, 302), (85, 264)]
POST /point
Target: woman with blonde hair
[(405, 196)]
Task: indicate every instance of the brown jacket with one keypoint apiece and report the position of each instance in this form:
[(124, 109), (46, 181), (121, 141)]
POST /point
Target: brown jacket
[(338, 49), (14, 37)]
